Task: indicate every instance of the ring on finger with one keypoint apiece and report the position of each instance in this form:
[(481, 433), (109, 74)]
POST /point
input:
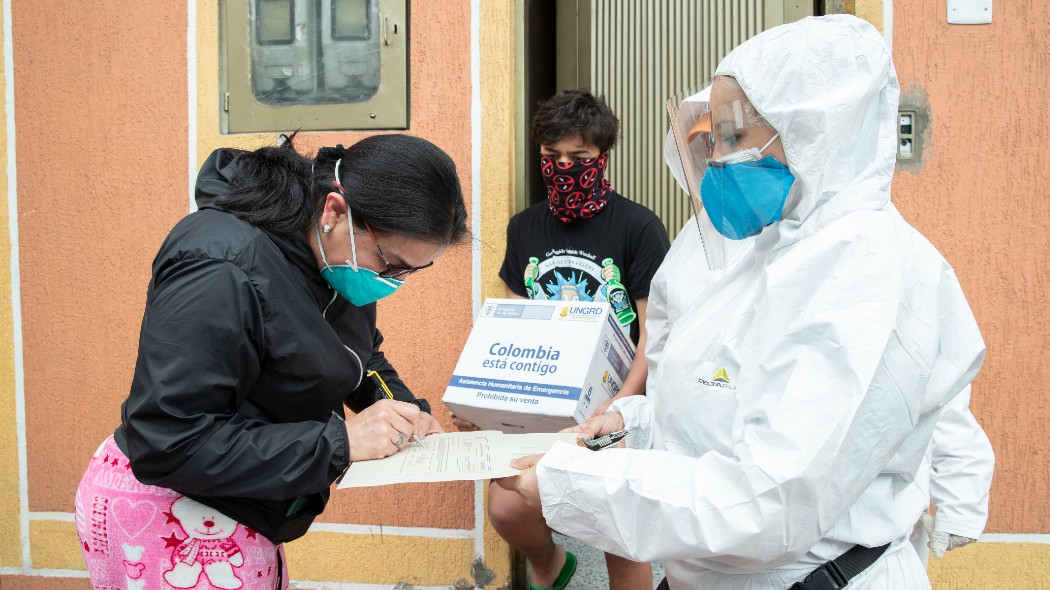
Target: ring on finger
[(400, 439)]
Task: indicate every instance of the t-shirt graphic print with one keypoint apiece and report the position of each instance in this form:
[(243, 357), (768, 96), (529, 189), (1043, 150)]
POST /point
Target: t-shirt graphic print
[(609, 257), (567, 274)]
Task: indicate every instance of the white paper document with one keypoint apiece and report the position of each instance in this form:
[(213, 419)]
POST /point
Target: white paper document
[(452, 456)]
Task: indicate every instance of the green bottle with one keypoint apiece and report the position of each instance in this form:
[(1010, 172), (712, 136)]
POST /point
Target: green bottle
[(617, 296), (530, 279)]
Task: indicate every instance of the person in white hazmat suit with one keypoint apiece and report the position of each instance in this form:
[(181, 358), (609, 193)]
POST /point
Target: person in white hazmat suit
[(960, 459), (793, 409)]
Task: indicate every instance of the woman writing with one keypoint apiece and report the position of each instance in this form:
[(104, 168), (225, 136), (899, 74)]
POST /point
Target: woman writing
[(260, 326)]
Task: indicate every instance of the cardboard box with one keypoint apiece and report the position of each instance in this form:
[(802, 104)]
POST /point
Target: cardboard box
[(538, 366)]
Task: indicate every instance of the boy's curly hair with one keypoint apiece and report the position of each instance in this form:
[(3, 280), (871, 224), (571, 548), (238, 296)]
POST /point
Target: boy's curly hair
[(576, 112)]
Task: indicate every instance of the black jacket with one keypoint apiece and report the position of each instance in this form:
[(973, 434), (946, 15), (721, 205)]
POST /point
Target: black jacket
[(246, 357)]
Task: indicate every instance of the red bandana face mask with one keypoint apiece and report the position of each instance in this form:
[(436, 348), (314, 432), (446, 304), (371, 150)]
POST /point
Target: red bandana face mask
[(576, 190)]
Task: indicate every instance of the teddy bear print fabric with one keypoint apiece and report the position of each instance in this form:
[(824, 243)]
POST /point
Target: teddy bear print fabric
[(140, 537)]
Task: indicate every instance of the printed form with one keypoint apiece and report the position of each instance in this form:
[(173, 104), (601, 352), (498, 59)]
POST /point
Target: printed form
[(453, 456)]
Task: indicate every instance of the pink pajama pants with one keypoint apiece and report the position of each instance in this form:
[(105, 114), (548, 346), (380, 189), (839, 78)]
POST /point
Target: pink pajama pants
[(141, 537)]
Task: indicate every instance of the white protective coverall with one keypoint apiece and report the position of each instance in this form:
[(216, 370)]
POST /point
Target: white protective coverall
[(793, 409), (961, 462), (961, 459)]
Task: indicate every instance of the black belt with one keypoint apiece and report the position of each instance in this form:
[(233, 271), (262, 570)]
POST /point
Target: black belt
[(837, 573), (834, 574)]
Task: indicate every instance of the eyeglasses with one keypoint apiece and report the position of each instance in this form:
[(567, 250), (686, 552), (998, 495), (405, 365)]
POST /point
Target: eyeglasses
[(392, 272)]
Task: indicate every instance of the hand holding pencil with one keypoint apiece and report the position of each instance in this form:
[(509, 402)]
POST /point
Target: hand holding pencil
[(382, 386)]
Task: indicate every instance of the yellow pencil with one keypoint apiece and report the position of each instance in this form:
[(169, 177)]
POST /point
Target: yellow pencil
[(378, 380)]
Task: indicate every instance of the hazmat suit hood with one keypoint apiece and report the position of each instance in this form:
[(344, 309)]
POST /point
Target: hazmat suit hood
[(825, 95)]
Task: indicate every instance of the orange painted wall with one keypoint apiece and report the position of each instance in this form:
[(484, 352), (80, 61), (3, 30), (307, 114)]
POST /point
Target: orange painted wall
[(981, 197), (100, 94), (102, 111)]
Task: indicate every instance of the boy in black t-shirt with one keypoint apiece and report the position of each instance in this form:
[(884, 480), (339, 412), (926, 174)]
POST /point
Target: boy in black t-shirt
[(585, 243)]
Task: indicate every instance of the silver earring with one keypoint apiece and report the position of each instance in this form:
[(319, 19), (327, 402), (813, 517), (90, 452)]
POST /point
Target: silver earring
[(326, 228)]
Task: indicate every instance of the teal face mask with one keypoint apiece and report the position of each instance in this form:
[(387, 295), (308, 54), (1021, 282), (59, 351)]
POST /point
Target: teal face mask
[(357, 285)]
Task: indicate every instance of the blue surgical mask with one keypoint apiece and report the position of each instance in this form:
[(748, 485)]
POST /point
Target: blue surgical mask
[(743, 192), (357, 285)]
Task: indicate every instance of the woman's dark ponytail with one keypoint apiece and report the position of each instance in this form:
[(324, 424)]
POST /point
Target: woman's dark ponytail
[(398, 184), (270, 188)]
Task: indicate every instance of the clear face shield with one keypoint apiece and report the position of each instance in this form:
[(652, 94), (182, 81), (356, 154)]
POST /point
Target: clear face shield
[(687, 151), (717, 149)]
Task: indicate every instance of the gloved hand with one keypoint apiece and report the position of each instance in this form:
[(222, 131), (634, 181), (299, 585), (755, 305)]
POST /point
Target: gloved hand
[(942, 541)]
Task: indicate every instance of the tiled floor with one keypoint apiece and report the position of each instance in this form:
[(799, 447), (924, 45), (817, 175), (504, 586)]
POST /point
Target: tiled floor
[(590, 569)]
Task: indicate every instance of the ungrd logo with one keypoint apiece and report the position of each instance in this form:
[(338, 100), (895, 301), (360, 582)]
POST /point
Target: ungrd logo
[(580, 312), (585, 310), (720, 379)]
